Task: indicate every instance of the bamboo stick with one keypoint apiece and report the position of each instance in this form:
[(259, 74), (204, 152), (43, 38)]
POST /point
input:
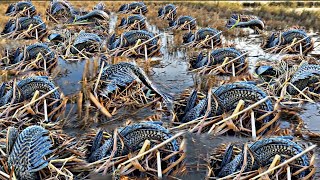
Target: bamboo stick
[(98, 79), (253, 126), (237, 114), (79, 102), (159, 165), (182, 157), (153, 149), (99, 106), (5, 175), (288, 173), (275, 162), (30, 103), (143, 43), (45, 111)]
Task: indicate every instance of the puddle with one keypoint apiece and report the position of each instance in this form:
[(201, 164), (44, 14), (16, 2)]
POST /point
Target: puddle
[(113, 22), (311, 117), (173, 73), (70, 76)]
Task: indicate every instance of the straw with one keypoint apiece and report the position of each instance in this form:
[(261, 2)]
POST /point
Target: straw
[(285, 162)]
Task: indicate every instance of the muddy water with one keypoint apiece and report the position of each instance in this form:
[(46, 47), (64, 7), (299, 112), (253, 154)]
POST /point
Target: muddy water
[(172, 75), (311, 112), (70, 76), (311, 117)]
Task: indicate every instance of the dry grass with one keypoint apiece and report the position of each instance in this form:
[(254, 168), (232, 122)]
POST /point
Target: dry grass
[(208, 14)]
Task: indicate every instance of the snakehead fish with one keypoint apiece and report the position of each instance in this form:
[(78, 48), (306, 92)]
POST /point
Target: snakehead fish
[(217, 56), (227, 97), (93, 15), (27, 151), (134, 7), (25, 89), (265, 70), (133, 137), (164, 11), (23, 23), (286, 38), (56, 37), (87, 41), (202, 34), (122, 74), (263, 152), (130, 38), (18, 7), (101, 6), (306, 75), (190, 21), (245, 21), (32, 52), (126, 22), (61, 7)]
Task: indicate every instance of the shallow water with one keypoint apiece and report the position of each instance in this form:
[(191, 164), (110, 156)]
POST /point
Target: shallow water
[(70, 76), (173, 76), (311, 117)]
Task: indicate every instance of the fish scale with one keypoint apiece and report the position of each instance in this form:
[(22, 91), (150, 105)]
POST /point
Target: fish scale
[(287, 38), (26, 88), (131, 19), (306, 75), (183, 19), (131, 72), (166, 9), (191, 100), (58, 6), (242, 90), (94, 14), (131, 37), (84, 41), (132, 6), (23, 24), (9, 26), (197, 111), (202, 33), (217, 56), (228, 96), (137, 137), (29, 150), (85, 37), (232, 97), (33, 51), (15, 8), (264, 151), (134, 136)]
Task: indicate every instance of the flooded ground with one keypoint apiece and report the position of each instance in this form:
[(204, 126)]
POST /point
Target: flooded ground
[(173, 76)]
